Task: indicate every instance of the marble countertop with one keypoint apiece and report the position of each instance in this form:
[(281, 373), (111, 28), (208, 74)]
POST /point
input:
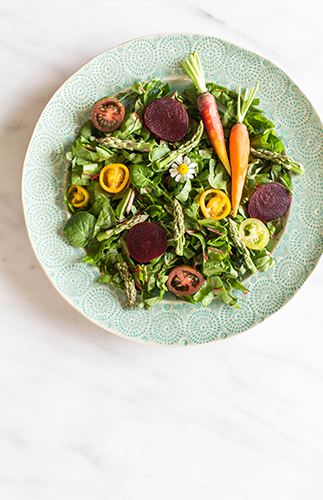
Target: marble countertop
[(85, 414)]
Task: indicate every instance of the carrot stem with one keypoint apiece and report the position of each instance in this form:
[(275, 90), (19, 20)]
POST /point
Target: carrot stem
[(193, 68), (247, 100)]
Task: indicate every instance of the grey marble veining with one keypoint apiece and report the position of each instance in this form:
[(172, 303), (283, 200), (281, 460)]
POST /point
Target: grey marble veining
[(85, 414)]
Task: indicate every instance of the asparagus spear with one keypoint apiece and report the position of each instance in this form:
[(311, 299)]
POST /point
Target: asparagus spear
[(114, 142), (179, 228), (123, 226), (286, 161), (239, 244), (164, 162), (129, 282)]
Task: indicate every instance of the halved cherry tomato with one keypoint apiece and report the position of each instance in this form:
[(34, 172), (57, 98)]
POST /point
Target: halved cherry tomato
[(184, 280), (215, 204), (107, 114), (254, 234), (114, 177), (77, 196)]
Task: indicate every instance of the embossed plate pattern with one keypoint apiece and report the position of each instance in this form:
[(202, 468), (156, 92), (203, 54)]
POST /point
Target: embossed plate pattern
[(173, 323)]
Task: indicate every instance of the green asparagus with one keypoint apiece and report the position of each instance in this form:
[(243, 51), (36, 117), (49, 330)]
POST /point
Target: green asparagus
[(129, 283), (114, 142), (286, 161), (164, 162), (123, 226), (179, 227), (239, 244)]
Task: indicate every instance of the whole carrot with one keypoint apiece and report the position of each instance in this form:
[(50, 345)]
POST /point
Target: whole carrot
[(208, 109), (239, 147)]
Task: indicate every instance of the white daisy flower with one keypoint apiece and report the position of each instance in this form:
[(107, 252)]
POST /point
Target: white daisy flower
[(182, 169)]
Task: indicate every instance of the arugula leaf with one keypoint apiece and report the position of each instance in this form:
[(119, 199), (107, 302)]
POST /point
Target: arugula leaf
[(105, 214), (87, 130), (130, 125), (218, 177), (80, 148), (158, 152), (183, 190)]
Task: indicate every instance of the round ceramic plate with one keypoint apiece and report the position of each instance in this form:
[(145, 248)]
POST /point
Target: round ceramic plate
[(173, 322)]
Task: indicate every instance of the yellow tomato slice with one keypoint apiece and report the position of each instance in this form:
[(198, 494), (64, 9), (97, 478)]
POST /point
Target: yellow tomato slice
[(254, 234), (78, 196), (114, 177), (215, 204)]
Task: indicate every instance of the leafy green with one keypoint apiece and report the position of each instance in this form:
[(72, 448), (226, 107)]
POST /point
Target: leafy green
[(79, 229), (139, 175), (214, 248), (106, 218), (123, 204)]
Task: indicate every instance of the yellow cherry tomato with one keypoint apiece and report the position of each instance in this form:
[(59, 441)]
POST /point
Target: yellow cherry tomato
[(77, 196), (215, 204), (114, 177), (254, 234)]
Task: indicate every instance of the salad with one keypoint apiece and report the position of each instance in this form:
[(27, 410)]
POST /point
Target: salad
[(178, 192)]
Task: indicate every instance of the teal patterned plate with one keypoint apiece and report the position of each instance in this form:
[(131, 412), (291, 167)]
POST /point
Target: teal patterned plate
[(173, 322)]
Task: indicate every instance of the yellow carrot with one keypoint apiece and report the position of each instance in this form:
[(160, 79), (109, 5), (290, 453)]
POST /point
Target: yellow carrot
[(208, 109), (239, 148)]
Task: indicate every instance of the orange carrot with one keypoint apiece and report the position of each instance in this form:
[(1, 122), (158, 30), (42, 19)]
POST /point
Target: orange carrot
[(208, 109), (239, 147)]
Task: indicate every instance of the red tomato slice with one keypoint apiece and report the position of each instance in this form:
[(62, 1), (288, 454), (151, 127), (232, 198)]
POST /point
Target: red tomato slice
[(107, 114), (184, 280)]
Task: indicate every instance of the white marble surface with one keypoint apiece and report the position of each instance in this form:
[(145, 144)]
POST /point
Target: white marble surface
[(86, 415)]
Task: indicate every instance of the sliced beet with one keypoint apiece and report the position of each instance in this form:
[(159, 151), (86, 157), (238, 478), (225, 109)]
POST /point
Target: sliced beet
[(269, 202), (146, 241), (167, 119)]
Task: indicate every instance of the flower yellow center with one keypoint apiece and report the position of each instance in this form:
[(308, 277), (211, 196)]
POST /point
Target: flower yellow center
[(182, 169)]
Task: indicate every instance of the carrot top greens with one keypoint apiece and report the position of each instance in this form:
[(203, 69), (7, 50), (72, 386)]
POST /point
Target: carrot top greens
[(246, 103), (194, 69)]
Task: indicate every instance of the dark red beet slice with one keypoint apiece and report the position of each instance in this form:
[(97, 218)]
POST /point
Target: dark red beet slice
[(167, 119), (146, 241), (269, 202)]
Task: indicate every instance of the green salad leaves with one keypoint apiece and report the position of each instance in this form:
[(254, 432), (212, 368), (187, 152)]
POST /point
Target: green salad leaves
[(212, 247)]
